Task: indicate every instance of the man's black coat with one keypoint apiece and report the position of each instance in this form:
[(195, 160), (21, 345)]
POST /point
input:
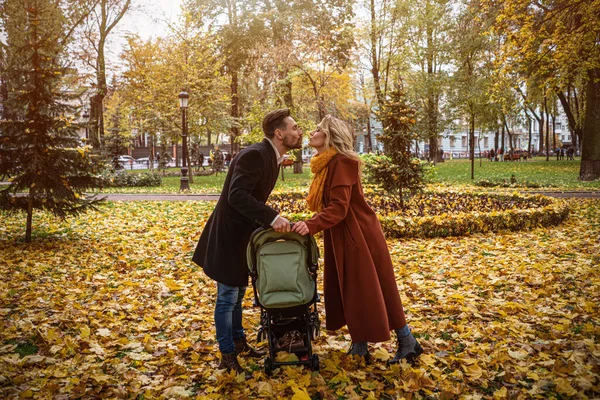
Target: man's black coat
[(241, 208)]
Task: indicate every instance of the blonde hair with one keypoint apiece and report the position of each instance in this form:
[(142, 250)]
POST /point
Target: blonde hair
[(338, 136)]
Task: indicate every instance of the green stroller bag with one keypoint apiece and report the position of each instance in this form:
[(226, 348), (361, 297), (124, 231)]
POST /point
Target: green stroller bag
[(281, 264)]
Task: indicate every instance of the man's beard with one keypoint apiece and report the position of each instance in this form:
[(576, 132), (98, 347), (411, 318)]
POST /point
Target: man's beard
[(291, 144)]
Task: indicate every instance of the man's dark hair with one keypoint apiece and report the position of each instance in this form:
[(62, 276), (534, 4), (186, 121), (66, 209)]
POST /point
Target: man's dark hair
[(275, 120)]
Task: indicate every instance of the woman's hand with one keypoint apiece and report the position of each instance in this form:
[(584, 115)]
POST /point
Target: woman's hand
[(301, 228)]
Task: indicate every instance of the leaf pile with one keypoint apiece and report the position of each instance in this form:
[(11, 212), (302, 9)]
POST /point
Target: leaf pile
[(109, 305)]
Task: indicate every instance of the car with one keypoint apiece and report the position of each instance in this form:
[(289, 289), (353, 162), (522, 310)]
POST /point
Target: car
[(142, 160), (126, 159)]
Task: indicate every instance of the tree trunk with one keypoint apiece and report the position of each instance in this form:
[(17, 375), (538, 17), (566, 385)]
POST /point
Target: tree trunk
[(530, 137), (590, 146), (431, 106), (29, 215), (547, 130), (496, 137), (541, 123), (503, 140), (554, 131), (576, 131), (235, 109), (472, 144), (374, 58)]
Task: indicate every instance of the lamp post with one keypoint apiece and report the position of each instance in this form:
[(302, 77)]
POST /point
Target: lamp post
[(86, 118), (184, 183)]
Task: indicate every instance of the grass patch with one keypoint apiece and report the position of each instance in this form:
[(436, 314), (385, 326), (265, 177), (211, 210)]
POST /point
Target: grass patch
[(536, 173), (212, 184), (546, 174)]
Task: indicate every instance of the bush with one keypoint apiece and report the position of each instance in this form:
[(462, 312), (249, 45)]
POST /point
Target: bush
[(440, 214), (124, 179)]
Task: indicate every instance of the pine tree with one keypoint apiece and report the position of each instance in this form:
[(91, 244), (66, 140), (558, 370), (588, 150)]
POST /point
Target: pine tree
[(39, 146), (398, 170)]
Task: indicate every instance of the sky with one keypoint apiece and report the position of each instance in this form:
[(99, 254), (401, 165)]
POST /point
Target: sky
[(148, 18)]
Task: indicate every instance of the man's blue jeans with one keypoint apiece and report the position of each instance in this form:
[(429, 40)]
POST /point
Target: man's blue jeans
[(228, 316)]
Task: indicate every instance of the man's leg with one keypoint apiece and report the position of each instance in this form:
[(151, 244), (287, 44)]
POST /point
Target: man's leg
[(239, 337), (237, 328), (227, 298)]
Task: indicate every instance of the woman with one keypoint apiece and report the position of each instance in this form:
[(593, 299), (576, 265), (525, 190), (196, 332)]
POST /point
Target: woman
[(359, 282)]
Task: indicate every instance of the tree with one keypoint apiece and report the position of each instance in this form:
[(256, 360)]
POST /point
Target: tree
[(104, 17), (39, 146), (473, 64), (397, 171), (429, 38), (118, 137), (557, 43)]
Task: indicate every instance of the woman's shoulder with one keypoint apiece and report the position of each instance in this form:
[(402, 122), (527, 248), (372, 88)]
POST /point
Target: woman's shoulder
[(344, 169), (344, 160)]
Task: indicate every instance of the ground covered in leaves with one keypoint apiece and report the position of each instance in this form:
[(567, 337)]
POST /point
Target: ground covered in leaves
[(109, 305)]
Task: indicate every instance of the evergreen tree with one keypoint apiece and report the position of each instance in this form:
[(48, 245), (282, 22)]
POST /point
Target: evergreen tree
[(39, 146), (398, 170)]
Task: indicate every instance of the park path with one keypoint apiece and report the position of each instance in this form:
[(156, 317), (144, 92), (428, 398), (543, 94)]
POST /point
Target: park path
[(214, 197)]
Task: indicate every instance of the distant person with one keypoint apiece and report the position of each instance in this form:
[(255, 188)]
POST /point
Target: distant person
[(501, 154), (201, 161)]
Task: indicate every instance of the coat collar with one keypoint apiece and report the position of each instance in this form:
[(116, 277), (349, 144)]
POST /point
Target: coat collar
[(271, 150)]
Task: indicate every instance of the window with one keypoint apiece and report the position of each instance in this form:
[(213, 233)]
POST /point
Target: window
[(464, 141), (485, 141), (452, 141)]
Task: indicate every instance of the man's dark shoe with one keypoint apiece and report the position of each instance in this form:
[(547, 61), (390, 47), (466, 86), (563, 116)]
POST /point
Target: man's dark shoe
[(242, 346), (230, 362), (408, 349)]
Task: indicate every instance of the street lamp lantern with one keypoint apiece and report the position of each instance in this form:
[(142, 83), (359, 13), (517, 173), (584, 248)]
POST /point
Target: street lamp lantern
[(184, 183), (184, 97)]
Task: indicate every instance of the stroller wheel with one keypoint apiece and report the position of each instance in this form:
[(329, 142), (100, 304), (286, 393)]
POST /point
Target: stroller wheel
[(314, 362), (268, 366)]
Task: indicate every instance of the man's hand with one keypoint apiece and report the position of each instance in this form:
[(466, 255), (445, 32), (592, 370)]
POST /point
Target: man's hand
[(281, 225), (301, 228)]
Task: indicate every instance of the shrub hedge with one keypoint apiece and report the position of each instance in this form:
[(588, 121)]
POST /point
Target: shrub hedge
[(124, 179), (441, 214)]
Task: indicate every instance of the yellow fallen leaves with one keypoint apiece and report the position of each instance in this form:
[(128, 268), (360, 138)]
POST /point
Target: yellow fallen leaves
[(110, 306)]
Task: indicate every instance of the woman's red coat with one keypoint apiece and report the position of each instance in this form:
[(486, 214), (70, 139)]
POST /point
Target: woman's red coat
[(359, 282)]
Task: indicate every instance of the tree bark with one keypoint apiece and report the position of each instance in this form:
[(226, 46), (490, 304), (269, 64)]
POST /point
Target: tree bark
[(29, 215), (590, 145)]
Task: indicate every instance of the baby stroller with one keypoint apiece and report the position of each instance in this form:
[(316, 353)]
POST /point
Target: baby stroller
[(283, 268)]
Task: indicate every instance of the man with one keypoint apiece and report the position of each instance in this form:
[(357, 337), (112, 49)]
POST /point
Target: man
[(241, 208)]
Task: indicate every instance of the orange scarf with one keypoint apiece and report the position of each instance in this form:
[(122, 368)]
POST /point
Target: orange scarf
[(319, 166)]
